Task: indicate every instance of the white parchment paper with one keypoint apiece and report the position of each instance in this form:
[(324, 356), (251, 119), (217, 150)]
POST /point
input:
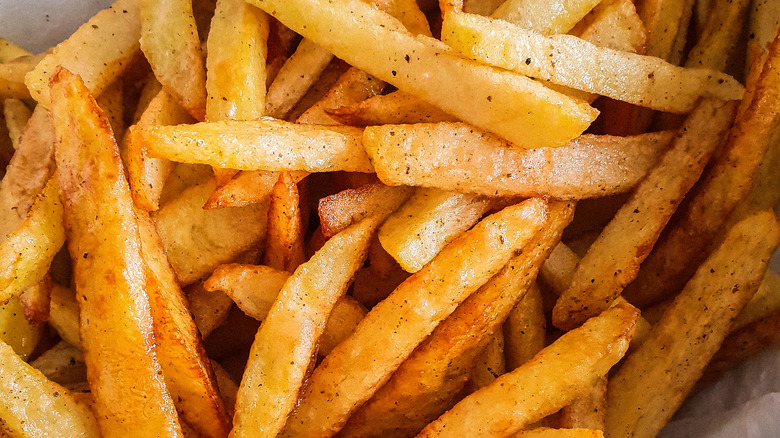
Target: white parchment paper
[(745, 403)]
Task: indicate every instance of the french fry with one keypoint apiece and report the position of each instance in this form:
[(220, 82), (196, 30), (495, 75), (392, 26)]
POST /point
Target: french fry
[(27, 252), (428, 222), (12, 76), (765, 301), (636, 79), (9, 50), (655, 379), (395, 108), (614, 258), (489, 364), (494, 98), (457, 157), (350, 206), (525, 329), (248, 187), (22, 335), (16, 116), (587, 411), (187, 369), (295, 78), (720, 34), (99, 51), (727, 181), (263, 144), (31, 405), (544, 432), (197, 240), (284, 248), (63, 364), (428, 382), (666, 22), (506, 406), (269, 388), (209, 309), (616, 25), (64, 314), (543, 17), (169, 40), (116, 327)]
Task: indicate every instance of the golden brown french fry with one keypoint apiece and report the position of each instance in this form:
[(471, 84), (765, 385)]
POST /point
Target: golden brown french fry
[(16, 115), (187, 369), (685, 244), (587, 411), (765, 301), (428, 382), (26, 253), (494, 98), (288, 337), (489, 364), (284, 249), (457, 157), (545, 17), (350, 206), (227, 387), (31, 405), (632, 78), (614, 258), (545, 432), (116, 326), (169, 40), (255, 288), (525, 329), (99, 51), (147, 175), (63, 364), (504, 407), (655, 379), (472, 258), (396, 108), (197, 240), (428, 222), (64, 314), (262, 144), (16, 331), (209, 309)]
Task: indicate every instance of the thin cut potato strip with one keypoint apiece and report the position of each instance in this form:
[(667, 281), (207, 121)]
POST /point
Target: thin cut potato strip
[(559, 373), (258, 145), (116, 326), (26, 254), (460, 158), (548, 18), (288, 336), (575, 63), (655, 379), (169, 40), (255, 288), (340, 210), (494, 100), (428, 382), (98, 51), (284, 249), (357, 367), (729, 179), (31, 405), (613, 260)]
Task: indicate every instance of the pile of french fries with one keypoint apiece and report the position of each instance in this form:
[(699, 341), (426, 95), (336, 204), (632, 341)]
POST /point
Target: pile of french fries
[(397, 218)]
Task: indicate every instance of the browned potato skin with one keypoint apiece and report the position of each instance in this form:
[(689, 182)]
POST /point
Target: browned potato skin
[(458, 157), (357, 367), (560, 372), (110, 273), (340, 210)]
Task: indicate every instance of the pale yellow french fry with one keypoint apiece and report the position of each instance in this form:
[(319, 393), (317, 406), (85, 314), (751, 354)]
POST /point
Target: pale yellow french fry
[(288, 337), (560, 372), (15, 330), (169, 40), (13, 74), (588, 410), (16, 116), (64, 314), (655, 379), (488, 98), (99, 51), (295, 78), (617, 26), (32, 406), (563, 59), (490, 244), (545, 17), (116, 326), (209, 309), (9, 50)]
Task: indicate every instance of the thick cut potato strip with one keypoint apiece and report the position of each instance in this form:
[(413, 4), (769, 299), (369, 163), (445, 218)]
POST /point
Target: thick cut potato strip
[(340, 210), (262, 144), (187, 369), (548, 18), (765, 301), (575, 63), (288, 337), (209, 309), (428, 382), (255, 288), (394, 108), (147, 175), (26, 254), (457, 157), (655, 379), (236, 58), (357, 367), (497, 101), (98, 51), (428, 222), (560, 372), (33, 406), (284, 249), (613, 260), (525, 329), (110, 273), (685, 244), (169, 40)]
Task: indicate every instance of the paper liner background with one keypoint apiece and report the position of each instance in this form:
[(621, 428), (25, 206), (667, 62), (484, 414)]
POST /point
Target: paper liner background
[(745, 403)]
